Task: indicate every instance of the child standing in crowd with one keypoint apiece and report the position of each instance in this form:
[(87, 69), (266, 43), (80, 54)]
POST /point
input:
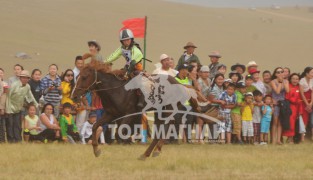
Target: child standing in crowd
[(52, 89), (69, 130), (86, 132), (31, 125), (34, 84), (249, 82), (267, 110), (229, 102), (246, 116), (257, 115), (94, 48), (235, 113)]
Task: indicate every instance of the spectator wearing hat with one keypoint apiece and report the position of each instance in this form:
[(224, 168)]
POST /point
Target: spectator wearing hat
[(86, 132), (240, 68), (188, 55), (17, 71), (94, 49), (267, 78), (165, 68), (79, 64), (214, 57), (257, 81), (235, 112), (52, 89), (18, 92), (235, 77), (69, 130), (251, 65), (204, 80)]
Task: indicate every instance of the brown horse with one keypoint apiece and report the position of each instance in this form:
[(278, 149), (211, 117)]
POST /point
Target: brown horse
[(116, 100)]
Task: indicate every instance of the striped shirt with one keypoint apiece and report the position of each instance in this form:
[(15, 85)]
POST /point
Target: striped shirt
[(51, 96)]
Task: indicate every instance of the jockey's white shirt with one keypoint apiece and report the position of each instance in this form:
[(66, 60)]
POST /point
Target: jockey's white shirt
[(171, 72)]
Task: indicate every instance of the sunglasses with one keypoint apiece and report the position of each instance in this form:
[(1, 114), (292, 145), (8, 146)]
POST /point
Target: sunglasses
[(279, 72), (70, 75)]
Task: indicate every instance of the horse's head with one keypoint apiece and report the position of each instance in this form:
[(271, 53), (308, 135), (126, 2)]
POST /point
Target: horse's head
[(135, 82), (86, 81)]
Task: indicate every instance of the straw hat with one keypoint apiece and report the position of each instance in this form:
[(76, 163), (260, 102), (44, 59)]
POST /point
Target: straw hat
[(190, 44), (215, 54), (24, 73), (163, 56), (251, 63)]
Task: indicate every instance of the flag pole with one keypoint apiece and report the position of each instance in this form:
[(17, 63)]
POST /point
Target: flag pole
[(145, 44)]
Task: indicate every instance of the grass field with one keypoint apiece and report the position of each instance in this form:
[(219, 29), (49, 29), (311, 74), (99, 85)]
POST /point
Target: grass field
[(58, 161)]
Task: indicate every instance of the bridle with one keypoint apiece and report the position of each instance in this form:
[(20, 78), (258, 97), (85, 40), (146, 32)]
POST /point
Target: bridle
[(96, 82)]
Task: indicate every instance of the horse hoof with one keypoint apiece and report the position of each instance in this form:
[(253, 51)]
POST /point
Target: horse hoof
[(156, 154), (142, 157), (97, 153)]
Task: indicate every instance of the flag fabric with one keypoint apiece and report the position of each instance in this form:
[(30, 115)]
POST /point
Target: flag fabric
[(136, 25)]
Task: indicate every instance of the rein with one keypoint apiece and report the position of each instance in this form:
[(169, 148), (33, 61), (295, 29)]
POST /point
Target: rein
[(96, 82)]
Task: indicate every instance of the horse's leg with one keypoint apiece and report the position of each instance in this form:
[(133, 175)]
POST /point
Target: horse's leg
[(151, 147), (158, 147), (95, 133)]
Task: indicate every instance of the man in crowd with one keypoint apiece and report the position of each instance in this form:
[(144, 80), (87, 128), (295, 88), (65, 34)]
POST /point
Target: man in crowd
[(79, 64), (214, 57), (165, 69), (188, 55), (18, 92)]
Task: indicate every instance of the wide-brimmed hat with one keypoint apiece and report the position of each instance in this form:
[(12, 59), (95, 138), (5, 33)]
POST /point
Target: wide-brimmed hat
[(24, 73), (163, 56), (215, 54), (233, 67), (252, 71), (205, 69), (251, 63), (190, 44), (95, 43), (235, 72)]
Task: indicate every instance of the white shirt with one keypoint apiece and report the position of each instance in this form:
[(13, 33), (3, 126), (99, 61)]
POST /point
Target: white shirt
[(86, 132), (171, 72), (305, 85), (76, 72)]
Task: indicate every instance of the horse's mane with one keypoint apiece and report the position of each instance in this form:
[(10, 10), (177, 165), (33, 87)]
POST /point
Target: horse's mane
[(104, 68)]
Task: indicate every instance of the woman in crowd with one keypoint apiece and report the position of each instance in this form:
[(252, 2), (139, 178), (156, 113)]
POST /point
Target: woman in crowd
[(295, 100), (49, 126), (286, 73), (306, 90), (51, 88), (34, 84), (280, 86), (235, 77), (67, 85)]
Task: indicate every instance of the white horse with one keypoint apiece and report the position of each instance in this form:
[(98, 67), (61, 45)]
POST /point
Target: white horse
[(162, 93)]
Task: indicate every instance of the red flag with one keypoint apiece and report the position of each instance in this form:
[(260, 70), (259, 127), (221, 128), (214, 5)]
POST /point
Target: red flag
[(136, 25)]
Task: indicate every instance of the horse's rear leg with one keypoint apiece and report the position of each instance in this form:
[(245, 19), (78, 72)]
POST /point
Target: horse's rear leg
[(158, 148), (149, 150)]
